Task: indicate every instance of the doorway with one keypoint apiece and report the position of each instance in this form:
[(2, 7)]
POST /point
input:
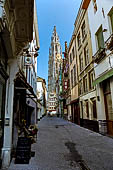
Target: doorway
[(108, 106)]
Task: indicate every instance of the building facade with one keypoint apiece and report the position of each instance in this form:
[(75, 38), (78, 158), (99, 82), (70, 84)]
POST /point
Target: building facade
[(102, 43), (42, 97), (54, 65), (86, 76), (81, 72), (18, 74), (73, 74), (66, 86)]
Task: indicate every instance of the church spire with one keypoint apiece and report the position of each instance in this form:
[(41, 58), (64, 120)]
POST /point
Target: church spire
[(54, 29)]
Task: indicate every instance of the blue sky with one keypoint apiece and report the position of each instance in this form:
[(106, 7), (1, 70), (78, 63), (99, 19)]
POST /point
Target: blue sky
[(59, 13)]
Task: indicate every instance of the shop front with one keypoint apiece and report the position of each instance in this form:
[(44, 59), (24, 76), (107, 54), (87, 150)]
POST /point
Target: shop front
[(105, 87), (108, 106), (3, 80), (25, 108), (75, 113)]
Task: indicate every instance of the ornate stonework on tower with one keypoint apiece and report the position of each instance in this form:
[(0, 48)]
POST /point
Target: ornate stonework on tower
[(54, 65)]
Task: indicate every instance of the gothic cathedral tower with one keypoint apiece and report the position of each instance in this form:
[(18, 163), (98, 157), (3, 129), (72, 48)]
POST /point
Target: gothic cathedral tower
[(54, 66)]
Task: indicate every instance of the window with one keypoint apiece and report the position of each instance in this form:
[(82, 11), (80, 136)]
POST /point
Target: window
[(111, 19), (100, 38), (71, 78), (91, 79), (56, 65), (83, 30), (55, 47), (73, 52), (87, 108), (94, 109), (74, 72), (70, 58), (95, 6), (52, 48), (85, 84), (86, 55), (81, 108), (81, 61), (81, 87), (79, 40), (65, 84)]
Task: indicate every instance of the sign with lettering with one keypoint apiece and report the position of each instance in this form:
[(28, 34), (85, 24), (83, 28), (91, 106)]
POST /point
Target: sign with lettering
[(23, 150)]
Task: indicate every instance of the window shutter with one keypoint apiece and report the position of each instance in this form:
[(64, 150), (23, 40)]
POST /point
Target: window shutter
[(100, 38), (111, 21)]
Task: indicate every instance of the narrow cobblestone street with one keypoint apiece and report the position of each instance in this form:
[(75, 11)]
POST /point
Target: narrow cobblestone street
[(62, 145)]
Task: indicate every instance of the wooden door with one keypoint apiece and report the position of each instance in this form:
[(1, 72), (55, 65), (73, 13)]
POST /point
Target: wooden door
[(109, 113), (108, 106)]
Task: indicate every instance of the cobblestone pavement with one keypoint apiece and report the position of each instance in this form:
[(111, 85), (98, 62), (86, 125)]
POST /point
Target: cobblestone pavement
[(62, 145)]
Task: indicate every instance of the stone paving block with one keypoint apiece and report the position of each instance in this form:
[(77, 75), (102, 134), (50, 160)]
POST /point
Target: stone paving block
[(62, 145)]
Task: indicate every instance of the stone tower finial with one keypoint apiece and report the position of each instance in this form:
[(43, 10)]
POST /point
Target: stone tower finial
[(54, 28)]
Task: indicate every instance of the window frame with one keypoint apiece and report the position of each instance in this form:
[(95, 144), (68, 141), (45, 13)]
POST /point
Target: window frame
[(72, 78), (81, 63), (83, 28), (87, 108), (74, 74), (110, 20), (79, 40), (97, 38), (81, 87), (91, 75), (73, 53), (93, 110), (85, 55), (85, 84)]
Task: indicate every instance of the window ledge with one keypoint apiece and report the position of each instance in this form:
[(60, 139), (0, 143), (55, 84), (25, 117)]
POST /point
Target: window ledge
[(89, 91), (84, 68)]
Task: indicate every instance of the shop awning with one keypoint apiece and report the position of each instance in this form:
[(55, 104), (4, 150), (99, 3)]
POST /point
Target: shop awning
[(22, 84), (103, 77)]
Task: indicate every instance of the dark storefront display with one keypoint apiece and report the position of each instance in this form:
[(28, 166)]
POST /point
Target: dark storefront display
[(22, 110), (3, 79)]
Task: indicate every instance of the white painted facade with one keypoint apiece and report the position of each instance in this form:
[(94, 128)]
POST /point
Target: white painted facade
[(100, 17), (42, 97)]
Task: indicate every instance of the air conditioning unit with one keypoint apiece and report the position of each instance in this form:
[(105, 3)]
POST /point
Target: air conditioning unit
[(28, 60)]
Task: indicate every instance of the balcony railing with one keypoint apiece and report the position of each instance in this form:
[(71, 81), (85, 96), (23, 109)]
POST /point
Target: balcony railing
[(109, 43), (99, 55)]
